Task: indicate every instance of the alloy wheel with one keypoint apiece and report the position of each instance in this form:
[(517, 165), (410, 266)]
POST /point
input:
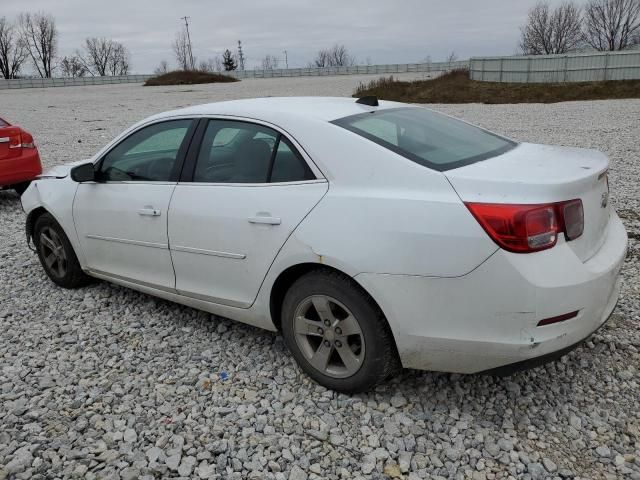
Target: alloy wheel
[(53, 252), (329, 336)]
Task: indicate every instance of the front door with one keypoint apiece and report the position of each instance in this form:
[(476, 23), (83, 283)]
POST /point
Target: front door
[(249, 190), (121, 219)]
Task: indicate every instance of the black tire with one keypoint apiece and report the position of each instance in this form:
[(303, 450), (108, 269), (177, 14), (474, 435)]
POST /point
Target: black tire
[(65, 272), (21, 187), (374, 342)]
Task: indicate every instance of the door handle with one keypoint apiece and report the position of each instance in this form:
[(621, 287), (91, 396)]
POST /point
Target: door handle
[(149, 211), (265, 220)]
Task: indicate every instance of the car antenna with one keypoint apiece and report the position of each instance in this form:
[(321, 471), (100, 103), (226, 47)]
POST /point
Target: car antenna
[(370, 100)]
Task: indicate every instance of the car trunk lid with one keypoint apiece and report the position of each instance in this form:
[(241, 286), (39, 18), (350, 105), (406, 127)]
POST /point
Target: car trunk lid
[(536, 174)]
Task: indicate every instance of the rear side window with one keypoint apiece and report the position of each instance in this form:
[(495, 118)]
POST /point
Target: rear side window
[(242, 152), (3, 123), (426, 137), (288, 165)]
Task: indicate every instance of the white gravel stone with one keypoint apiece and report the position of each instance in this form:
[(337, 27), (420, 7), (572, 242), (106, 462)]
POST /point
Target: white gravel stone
[(297, 473)]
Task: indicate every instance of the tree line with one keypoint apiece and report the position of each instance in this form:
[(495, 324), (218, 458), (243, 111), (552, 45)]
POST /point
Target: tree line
[(603, 25), (33, 39), (335, 56)]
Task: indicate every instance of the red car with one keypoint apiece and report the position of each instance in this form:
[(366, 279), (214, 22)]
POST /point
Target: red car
[(19, 158)]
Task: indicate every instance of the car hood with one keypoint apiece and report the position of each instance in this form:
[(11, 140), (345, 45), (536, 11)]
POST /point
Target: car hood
[(61, 171)]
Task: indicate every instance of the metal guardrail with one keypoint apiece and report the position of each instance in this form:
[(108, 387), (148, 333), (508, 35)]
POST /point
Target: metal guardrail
[(290, 72), (577, 67)]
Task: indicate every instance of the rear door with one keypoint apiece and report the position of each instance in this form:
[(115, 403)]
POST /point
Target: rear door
[(121, 220), (247, 189)]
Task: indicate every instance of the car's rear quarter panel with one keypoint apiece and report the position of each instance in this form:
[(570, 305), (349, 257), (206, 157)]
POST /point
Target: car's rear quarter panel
[(386, 214)]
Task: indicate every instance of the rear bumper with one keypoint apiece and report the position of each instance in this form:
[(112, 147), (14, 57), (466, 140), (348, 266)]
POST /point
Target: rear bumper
[(534, 362), (20, 169), (488, 318)]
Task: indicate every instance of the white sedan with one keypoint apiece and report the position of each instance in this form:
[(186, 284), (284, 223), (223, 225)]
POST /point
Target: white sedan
[(373, 235)]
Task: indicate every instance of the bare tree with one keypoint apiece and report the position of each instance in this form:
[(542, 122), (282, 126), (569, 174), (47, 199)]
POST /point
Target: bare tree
[(40, 37), (181, 51), (103, 56), (339, 56), (162, 68), (119, 61), (612, 24), (336, 56), (321, 60), (270, 62), (217, 62), (552, 31), (72, 66), (12, 50), (96, 55), (211, 65), (452, 57)]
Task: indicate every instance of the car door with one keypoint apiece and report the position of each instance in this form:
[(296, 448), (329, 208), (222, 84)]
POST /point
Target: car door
[(245, 190), (121, 219)]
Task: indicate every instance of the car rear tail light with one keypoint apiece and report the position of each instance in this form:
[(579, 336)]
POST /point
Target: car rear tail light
[(21, 140), (573, 216), (529, 228)]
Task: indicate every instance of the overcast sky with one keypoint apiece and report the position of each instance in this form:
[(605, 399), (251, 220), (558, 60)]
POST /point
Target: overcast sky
[(381, 31)]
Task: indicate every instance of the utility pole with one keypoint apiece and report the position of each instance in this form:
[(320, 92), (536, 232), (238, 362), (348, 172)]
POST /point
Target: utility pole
[(186, 24), (240, 56), (286, 59)]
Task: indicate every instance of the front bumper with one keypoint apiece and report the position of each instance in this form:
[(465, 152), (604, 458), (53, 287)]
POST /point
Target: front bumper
[(488, 318)]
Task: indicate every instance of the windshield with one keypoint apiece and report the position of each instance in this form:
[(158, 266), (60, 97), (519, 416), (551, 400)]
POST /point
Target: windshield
[(426, 137)]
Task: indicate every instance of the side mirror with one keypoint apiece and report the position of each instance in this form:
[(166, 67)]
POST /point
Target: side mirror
[(83, 173)]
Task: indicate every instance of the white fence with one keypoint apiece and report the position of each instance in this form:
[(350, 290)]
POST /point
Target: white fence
[(355, 70), (586, 67), (70, 82), (433, 67)]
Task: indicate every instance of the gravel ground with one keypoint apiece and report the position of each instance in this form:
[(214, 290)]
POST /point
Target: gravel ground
[(104, 382)]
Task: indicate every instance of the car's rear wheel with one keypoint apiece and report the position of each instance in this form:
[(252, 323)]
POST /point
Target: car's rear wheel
[(336, 333), (56, 254)]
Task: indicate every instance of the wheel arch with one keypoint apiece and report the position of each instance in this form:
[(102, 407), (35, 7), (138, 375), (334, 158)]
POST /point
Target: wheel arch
[(288, 276), (32, 217)]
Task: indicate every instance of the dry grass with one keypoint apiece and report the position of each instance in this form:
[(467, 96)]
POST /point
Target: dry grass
[(456, 87), (181, 77)]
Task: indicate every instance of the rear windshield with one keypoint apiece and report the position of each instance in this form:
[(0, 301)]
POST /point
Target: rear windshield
[(426, 137), (3, 123)]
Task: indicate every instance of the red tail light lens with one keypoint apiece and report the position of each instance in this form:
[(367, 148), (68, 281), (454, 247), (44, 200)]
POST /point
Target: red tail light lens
[(15, 140), (573, 216), (21, 139), (529, 228)]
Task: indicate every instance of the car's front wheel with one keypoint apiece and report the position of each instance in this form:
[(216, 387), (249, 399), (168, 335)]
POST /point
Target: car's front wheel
[(56, 254), (336, 333)]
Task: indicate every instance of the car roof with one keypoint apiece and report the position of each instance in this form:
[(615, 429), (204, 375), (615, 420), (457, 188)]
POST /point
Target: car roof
[(275, 109)]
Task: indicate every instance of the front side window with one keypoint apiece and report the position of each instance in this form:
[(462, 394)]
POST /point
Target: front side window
[(150, 154), (242, 152), (426, 137)]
